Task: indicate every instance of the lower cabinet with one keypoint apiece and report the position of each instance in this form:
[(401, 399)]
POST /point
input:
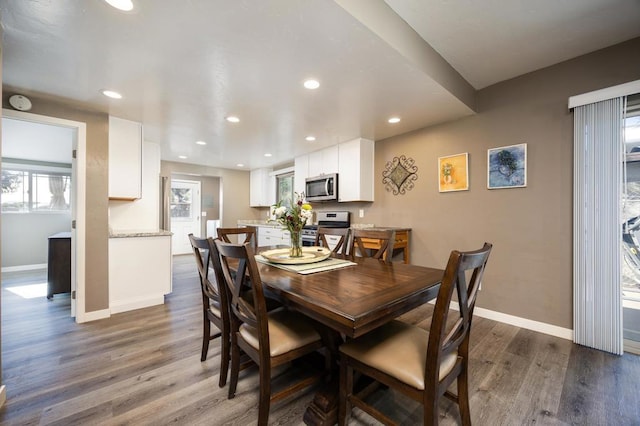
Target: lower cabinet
[(139, 272), (270, 236), (59, 264)]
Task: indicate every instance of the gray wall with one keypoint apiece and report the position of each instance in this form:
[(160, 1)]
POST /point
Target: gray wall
[(24, 236), (529, 273)]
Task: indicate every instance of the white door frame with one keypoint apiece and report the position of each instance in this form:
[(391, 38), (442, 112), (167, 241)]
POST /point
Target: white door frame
[(78, 213), (198, 231)]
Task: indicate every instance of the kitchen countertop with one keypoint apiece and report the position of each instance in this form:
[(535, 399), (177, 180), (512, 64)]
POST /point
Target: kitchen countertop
[(132, 233)]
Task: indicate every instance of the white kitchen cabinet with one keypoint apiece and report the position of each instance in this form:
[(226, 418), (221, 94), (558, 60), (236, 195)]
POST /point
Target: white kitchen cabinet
[(323, 162), (300, 173), (139, 271), (273, 236), (125, 159), (262, 191), (355, 170), (332, 241)]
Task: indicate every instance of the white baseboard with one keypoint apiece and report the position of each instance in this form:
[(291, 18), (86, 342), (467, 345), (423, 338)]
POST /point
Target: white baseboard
[(3, 395), (541, 327), (632, 346), (129, 305), (20, 268), (93, 316)]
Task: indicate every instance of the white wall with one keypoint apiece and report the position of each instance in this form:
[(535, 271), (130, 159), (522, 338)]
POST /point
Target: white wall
[(25, 236), (142, 214)]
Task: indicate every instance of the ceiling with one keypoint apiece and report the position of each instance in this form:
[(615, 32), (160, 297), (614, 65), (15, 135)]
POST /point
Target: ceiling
[(183, 66)]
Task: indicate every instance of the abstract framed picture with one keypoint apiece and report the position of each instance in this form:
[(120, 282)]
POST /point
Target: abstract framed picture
[(507, 167), (453, 172)]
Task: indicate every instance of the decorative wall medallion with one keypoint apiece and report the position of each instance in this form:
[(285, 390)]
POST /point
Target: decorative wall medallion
[(399, 175)]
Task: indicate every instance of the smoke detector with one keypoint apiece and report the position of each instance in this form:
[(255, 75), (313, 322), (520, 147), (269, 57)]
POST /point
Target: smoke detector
[(19, 102)]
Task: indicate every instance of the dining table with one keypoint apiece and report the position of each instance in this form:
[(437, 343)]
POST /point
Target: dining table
[(351, 300)]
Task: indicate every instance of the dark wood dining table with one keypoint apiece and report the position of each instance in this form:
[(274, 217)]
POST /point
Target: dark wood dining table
[(352, 301)]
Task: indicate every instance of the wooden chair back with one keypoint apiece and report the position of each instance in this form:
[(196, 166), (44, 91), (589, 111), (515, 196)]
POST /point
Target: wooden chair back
[(250, 235), (379, 241), (215, 305), (463, 275), (250, 322), (342, 246), (421, 365)]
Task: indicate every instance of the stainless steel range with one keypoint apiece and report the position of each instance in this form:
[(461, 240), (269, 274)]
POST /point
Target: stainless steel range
[(325, 220)]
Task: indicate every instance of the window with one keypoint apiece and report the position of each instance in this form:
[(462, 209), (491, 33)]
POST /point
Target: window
[(284, 188), (25, 191)]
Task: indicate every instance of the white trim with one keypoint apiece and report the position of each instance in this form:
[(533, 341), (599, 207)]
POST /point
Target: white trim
[(94, 315), (20, 268), (625, 89), (138, 303), (77, 243), (282, 171), (541, 327), (632, 346)]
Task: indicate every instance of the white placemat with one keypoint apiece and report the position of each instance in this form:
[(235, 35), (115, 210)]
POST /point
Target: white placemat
[(309, 268)]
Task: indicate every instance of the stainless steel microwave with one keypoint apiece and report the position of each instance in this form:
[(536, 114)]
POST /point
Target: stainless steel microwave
[(322, 188)]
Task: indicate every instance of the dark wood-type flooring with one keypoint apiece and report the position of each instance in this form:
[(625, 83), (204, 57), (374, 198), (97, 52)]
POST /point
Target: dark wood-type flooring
[(143, 367)]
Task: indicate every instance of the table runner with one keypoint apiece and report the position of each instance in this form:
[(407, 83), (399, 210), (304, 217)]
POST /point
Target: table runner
[(309, 268)]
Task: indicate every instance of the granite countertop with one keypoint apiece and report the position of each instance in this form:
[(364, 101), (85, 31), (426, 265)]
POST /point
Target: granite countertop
[(132, 233), (257, 222)]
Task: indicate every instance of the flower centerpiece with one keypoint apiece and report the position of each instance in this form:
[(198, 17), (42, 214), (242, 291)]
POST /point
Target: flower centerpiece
[(294, 217)]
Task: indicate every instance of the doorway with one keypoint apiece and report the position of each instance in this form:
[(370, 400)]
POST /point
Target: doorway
[(185, 214), (52, 179)]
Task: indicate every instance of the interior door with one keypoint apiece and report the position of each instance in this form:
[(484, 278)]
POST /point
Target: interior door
[(185, 214)]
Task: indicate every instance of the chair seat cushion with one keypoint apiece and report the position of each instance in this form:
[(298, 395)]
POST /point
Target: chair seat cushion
[(287, 331), (215, 310), (399, 350)]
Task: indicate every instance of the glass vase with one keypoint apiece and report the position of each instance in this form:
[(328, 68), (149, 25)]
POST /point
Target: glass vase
[(296, 244)]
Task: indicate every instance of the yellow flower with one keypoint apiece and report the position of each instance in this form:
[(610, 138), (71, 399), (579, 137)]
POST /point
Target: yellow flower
[(306, 206)]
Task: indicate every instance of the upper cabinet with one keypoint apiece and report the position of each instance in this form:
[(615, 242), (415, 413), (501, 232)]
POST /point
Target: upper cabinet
[(262, 190), (323, 162), (355, 170), (353, 161), (125, 159)]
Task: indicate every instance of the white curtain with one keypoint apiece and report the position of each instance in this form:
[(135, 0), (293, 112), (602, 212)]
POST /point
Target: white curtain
[(597, 236), (57, 186)]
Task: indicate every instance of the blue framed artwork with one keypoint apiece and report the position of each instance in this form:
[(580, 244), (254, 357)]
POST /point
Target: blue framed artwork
[(507, 167)]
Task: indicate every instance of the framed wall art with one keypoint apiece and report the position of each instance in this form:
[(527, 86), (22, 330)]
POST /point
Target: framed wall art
[(399, 175), (453, 173), (507, 167)]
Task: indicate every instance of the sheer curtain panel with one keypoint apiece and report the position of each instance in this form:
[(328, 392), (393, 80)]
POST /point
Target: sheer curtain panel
[(598, 161)]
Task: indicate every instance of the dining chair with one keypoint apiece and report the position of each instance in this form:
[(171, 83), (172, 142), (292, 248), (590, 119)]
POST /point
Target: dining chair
[(341, 247), (419, 363), (383, 240), (269, 338), (250, 235), (215, 305)]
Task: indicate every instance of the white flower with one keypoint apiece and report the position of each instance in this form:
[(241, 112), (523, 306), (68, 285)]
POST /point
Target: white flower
[(280, 211)]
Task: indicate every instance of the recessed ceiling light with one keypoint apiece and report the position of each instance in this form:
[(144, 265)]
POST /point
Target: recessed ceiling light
[(394, 120), (240, 165), (310, 138), (201, 143), (125, 5), (111, 94), (182, 157), (267, 155), (312, 84), (233, 119)]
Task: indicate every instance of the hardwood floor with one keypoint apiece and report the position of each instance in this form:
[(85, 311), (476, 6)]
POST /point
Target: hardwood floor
[(143, 367)]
